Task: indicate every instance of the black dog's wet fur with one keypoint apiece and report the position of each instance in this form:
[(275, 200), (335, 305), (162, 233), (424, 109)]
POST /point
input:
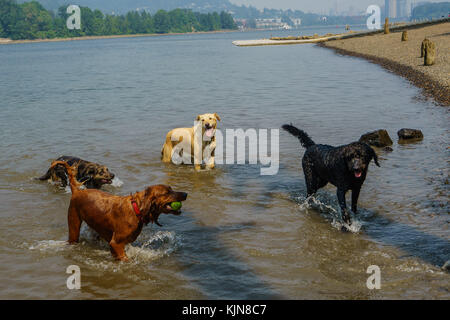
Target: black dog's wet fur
[(337, 165), (86, 172)]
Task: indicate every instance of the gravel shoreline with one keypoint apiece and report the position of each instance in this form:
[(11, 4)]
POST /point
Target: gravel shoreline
[(403, 58)]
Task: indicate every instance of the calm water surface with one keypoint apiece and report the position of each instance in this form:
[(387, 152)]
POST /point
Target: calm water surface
[(241, 235)]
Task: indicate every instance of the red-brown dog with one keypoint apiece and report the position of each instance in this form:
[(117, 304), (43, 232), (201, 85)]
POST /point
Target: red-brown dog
[(118, 220)]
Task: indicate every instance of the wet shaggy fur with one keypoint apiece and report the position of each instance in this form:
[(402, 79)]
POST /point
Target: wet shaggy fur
[(113, 217), (93, 175), (345, 167)]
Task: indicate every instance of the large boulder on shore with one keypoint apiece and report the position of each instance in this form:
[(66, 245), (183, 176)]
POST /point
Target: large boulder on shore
[(410, 134), (379, 138), (430, 54)]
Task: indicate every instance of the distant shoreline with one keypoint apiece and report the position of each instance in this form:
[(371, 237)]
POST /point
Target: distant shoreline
[(9, 41)]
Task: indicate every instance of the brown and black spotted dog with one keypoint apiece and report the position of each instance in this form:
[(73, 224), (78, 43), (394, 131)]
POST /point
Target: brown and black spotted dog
[(92, 175)]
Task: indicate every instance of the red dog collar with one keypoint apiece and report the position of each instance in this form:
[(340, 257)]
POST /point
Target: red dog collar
[(136, 209)]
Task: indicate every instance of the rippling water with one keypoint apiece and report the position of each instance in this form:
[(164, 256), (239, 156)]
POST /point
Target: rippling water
[(241, 235)]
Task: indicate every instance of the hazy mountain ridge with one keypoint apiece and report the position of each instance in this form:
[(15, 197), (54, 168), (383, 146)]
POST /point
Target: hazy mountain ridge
[(203, 6)]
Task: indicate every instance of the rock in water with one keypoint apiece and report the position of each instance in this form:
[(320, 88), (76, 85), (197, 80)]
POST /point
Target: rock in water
[(386, 26), (379, 138), (405, 36), (430, 54), (409, 134), (446, 266)]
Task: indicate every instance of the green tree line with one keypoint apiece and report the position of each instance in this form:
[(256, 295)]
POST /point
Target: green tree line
[(30, 20)]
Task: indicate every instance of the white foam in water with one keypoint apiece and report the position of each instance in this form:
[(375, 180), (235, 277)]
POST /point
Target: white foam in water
[(157, 245), (49, 245), (330, 212), (94, 251), (414, 266)]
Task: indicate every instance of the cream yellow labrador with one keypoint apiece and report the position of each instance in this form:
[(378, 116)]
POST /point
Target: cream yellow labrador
[(192, 145)]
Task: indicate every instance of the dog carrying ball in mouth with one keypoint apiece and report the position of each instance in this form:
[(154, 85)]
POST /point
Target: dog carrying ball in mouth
[(117, 219)]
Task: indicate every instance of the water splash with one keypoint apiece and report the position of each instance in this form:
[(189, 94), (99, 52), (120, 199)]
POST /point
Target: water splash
[(116, 182), (49, 245), (330, 210), (94, 251)]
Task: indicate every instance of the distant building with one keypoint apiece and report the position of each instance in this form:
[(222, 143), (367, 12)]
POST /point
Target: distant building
[(296, 21), (272, 23)]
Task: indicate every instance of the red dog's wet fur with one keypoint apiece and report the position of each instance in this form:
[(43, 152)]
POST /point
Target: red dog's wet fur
[(113, 217)]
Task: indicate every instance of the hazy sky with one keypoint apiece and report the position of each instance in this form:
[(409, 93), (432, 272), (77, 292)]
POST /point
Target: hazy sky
[(319, 6)]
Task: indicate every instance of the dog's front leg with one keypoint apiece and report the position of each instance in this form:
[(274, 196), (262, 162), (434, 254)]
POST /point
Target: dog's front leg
[(74, 222), (341, 198), (197, 152), (118, 250), (355, 196), (209, 155)]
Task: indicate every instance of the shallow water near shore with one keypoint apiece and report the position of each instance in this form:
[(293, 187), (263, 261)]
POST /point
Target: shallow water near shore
[(241, 235)]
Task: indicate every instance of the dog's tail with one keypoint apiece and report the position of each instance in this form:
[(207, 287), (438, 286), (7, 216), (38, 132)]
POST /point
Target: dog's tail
[(71, 173), (305, 140)]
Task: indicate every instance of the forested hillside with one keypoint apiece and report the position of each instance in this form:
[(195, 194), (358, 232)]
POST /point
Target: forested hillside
[(30, 20)]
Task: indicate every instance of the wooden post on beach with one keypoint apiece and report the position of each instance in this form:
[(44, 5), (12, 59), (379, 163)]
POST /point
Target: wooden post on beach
[(430, 54), (405, 36), (386, 26), (423, 46)]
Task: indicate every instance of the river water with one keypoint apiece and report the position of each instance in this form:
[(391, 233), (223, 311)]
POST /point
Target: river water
[(242, 235)]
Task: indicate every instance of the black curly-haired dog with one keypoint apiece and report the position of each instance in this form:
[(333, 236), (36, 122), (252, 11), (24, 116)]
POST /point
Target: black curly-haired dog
[(92, 175), (344, 166)]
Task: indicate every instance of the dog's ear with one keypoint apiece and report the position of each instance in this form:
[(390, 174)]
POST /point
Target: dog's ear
[(217, 116), (374, 156)]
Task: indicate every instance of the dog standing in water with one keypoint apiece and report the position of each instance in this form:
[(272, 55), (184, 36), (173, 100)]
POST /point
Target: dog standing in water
[(344, 166), (93, 175), (207, 140), (118, 220)]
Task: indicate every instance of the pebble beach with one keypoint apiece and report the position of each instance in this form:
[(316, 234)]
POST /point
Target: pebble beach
[(403, 57)]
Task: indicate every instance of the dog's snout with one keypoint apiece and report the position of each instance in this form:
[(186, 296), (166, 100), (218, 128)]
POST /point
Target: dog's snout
[(183, 195), (112, 175), (356, 163)]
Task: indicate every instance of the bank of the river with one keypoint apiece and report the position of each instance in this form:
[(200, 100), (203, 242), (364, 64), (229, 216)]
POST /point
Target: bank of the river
[(9, 41), (403, 57)]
